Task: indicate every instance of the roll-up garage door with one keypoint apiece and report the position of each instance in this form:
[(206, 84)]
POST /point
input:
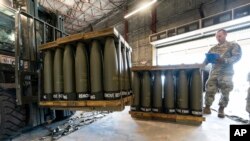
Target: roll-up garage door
[(191, 52)]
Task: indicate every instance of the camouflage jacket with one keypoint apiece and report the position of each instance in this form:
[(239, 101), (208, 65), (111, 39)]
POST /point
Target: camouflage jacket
[(231, 53)]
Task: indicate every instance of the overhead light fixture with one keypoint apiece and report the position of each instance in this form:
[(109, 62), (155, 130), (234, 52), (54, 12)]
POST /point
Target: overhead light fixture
[(140, 8), (6, 3)]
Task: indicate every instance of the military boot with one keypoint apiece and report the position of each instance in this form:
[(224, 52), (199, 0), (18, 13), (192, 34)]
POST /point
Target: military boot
[(207, 110), (221, 112)]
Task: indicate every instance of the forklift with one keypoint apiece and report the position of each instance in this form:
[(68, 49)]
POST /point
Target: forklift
[(24, 25)]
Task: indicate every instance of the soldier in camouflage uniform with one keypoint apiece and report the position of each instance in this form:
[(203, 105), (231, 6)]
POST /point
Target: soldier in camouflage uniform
[(221, 74), (248, 99)]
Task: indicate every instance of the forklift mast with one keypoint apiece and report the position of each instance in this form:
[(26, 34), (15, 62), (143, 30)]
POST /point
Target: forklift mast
[(21, 32), (30, 32)]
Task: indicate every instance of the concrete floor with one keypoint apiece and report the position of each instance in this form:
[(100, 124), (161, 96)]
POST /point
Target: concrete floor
[(120, 126)]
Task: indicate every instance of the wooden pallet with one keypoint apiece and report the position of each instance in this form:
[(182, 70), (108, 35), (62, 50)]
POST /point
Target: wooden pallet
[(167, 67), (89, 105), (85, 37), (48, 45), (186, 119)]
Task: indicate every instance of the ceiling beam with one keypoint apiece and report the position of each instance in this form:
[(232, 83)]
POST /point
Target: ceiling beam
[(69, 7), (109, 13)]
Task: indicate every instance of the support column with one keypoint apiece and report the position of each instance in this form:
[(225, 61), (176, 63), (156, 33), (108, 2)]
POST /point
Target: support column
[(154, 19)]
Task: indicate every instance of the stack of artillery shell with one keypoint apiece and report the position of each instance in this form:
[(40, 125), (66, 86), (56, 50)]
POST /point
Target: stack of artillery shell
[(95, 70), (180, 92)]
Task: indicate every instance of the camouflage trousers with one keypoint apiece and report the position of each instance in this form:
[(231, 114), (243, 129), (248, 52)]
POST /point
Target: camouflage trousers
[(217, 82)]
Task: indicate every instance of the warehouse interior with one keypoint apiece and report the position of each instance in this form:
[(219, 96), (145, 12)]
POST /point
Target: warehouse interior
[(157, 33)]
